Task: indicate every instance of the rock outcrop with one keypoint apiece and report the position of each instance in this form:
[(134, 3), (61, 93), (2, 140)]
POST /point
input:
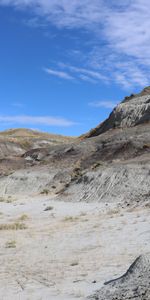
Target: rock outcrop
[(132, 111), (134, 284)]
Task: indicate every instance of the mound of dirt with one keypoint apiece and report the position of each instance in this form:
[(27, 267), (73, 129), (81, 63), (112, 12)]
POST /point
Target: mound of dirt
[(134, 284)]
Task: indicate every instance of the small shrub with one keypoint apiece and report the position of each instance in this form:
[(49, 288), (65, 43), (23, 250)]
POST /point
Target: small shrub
[(45, 192), (8, 200), (113, 211), (10, 244), (24, 217), (97, 165), (70, 219)]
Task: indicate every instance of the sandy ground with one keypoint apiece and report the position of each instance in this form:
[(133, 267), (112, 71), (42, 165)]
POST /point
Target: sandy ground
[(67, 250)]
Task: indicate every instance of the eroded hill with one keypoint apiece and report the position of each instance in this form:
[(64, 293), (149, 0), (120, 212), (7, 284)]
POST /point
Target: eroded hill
[(75, 212)]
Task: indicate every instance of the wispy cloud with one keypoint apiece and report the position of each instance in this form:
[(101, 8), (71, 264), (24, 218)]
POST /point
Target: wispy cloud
[(87, 78), (105, 104), (97, 75), (121, 69), (123, 26), (36, 120), (130, 29), (63, 13), (71, 72), (58, 73)]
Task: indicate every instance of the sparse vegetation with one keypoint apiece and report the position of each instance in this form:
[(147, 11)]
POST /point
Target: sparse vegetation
[(113, 211), (97, 165), (11, 244), (45, 192), (13, 226), (9, 199), (70, 219), (25, 144), (23, 217)]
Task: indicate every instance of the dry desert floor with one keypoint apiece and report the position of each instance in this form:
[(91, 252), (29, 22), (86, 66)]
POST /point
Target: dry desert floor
[(54, 250)]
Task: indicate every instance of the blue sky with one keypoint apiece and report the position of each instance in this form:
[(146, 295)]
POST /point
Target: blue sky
[(65, 64)]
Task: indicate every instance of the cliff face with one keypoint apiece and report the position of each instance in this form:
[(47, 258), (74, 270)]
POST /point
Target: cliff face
[(132, 111)]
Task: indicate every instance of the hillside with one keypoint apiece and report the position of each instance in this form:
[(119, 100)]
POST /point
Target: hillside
[(27, 138), (132, 111), (15, 142), (75, 212)]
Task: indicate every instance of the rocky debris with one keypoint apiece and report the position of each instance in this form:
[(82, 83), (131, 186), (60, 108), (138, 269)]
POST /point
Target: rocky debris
[(36, 154), (132, 111), (134, 284)]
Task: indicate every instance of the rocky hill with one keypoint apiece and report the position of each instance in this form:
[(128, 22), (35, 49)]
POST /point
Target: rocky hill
[(26, 139), (15, 142), (132, 111), (89, 195)]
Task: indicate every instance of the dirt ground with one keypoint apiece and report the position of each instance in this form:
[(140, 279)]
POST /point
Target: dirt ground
[(54, 250)]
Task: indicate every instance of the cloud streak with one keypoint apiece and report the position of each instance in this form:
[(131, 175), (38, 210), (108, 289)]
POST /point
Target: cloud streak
[(69, 72), (36, 120), (60, 74)]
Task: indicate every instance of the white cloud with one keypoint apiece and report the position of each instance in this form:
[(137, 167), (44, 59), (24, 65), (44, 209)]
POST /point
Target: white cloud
[(124, 27), (36, 120), (59, 74), (121, 69), (73, 13), (130, 29), (105, 104)]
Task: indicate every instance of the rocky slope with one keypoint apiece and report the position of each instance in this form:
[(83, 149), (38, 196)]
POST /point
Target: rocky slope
[(132, 111), (112, 166), (134, 284)]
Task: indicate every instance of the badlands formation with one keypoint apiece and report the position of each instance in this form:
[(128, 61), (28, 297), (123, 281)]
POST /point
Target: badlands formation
[(75, 212)]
